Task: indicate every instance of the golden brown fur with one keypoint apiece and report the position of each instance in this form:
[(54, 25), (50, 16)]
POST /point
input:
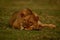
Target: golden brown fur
[(27, 20), (18, 18)]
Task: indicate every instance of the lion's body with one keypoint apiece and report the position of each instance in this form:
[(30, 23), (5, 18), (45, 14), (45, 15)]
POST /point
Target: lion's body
[(27, 20)]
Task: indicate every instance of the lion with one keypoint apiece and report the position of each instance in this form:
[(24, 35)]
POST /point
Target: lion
[(35, 24), (27, 20)]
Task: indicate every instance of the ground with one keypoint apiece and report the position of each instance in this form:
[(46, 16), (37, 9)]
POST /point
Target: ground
[(48, 11)]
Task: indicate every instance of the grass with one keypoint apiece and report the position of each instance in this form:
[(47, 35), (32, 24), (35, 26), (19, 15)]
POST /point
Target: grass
[(48, 11)]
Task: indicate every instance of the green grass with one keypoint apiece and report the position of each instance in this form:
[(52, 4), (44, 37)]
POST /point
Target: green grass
[(48, 11), (44, 34)]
